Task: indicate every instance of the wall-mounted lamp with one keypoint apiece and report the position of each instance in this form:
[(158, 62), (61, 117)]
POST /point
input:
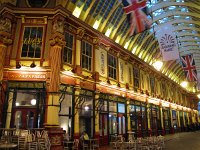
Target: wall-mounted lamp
[(33, 102), (198, 96), (86, 107), (33, 65), (118, 84), (108, 81), (18, 65)]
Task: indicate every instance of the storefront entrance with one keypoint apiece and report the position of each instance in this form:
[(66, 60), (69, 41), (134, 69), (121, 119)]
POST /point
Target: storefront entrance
[(25, 105), (24, 118)]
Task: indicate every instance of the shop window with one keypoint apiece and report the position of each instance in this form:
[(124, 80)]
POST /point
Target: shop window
[(65, 113), (136, 76), (32, 42), (121, 108), (86, 56), (26, 98), (68, 48), (112, 123), (112, 67)]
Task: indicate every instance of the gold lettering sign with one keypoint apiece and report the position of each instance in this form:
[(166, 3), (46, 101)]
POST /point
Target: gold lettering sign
[(32, 41), (27, 76)]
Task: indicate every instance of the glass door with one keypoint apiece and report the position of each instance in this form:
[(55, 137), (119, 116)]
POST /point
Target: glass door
[(24, 118)]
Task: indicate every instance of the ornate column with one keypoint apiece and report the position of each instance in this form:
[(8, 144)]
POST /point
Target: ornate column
[(162, 122), (76, 113), (171, 120), (5, 41), (52, 110), (148, 120), (178, 119), (96, 114), (79, 36)]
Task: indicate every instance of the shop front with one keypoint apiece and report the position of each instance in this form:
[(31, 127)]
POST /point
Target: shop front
[(166, 120), (112, 117), (138, 118), (25, 105), (155, 121)]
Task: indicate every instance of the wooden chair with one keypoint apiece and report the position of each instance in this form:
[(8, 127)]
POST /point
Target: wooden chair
[(95, 144), (22, 143), (75, 144)]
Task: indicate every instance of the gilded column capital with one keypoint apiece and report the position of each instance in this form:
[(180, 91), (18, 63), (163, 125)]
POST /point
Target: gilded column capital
[(5, 30), (57, 39), (5, 38)]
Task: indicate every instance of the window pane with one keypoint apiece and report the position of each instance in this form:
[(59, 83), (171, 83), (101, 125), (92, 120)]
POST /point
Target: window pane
[(86, 61), (32, 42), (112, 61), (67, 55)]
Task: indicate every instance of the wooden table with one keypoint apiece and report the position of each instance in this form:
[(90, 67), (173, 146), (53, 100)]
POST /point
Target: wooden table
[(92, 142), (7, 146), (68, 144)]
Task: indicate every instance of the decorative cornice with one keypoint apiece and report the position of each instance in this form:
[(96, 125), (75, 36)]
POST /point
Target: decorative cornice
[(80, 32)]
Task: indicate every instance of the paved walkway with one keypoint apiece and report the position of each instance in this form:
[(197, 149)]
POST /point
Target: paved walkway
[(179, 141)]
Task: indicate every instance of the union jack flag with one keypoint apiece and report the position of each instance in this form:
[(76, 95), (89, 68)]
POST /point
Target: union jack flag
[(189, 67), (136, 15)]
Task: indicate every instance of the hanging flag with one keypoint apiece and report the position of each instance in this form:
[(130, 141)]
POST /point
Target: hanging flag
[(167, 42), (189, 67), (136, 15)]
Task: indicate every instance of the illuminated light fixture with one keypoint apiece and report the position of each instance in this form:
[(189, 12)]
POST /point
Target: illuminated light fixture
[(17, 104), (108, 32), (158, 65), (33, 65), (134, 50), (184, 84), (140, 55), (146, 58), (117, 39), (18, 65), (77, 11), (96, 24), (33, 102), (86, 107), (198, 96), (126, 45), (108, 81)]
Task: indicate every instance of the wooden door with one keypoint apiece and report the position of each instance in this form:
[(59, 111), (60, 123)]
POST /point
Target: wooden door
[(24, 118)]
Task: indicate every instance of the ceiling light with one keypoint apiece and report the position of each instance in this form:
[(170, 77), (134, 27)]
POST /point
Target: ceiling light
[(184, 84), (86, 107), (17, 104), (96, 24), (33, 102), (158, 65)]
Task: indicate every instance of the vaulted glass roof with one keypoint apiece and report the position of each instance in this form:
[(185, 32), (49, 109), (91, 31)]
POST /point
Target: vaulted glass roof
[(108, 17)]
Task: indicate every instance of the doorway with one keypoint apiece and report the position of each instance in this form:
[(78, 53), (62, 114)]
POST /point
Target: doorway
[(28, 108), (24, 118)]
